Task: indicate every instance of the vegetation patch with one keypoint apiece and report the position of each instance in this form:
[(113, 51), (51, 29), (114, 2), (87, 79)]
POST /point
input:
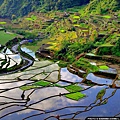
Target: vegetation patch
[(2, 23), (100, 94), (62, 31), (32, 18), (75, 96), (76, 25), (28, 87), (106, 45), (5, 37), (85, 65), (105, 50), (104, 67), (73, 88), (42, 83), (116, 48), (62, 64), (106, 16), (36, 85), (76, 17), (83, 25), (89, 83)]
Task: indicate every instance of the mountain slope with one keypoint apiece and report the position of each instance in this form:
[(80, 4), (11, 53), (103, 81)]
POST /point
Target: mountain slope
[(102, 6), (23, 7)]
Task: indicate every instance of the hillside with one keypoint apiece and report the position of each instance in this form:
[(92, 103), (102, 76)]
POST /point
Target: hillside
[(59, 59), (102, 7), (81, 29), (23, 7)]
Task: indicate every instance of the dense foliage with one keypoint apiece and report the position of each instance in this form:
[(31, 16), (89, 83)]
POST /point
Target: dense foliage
[(23, 7), (116, 48)]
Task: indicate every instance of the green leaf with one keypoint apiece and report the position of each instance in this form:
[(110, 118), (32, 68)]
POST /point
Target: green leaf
[(75, 96), (73, 88)]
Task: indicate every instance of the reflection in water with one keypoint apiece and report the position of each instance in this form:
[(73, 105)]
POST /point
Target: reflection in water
[(8, 51), (30, 52), (45, 102), (66, 75), (57, 105), (99, 80), (50, 102)]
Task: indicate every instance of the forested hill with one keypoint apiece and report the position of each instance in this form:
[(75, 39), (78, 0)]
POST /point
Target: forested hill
[(102, 6), (23, 7)]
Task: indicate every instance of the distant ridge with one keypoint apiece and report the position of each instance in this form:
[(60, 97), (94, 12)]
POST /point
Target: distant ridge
[(23, 7)]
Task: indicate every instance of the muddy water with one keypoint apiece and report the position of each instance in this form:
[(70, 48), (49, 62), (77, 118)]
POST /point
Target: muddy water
[(49, 102)]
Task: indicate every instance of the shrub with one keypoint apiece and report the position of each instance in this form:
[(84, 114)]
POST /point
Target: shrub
[(105, 51), (116, 49)]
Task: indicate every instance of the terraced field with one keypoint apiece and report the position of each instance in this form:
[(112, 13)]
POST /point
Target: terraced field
[(47, 91), (80, 79)]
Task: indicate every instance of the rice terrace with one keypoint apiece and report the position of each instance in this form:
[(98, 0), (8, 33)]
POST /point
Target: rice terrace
[(59, 60)]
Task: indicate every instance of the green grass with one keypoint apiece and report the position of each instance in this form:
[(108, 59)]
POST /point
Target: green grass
[(85, 30), (104, 67), (62, 64), (62, 31), (106, 16), (28, 87), (30, 19), (106, 45), (73, 88), (74, 9), (35, 85), (83, 25), (76, 25), (75, 96), (42, 83), (2, 23), (85, 65), (34, 48), (76, 17), (5, 37)]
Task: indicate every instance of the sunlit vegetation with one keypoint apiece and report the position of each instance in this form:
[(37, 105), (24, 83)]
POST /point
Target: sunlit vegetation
[(104, 67), (76, 17), (75, 96), (106, 16), (5, 37), (32, 18), (64, 53), (74, 90), (2, 23), (85, 65)]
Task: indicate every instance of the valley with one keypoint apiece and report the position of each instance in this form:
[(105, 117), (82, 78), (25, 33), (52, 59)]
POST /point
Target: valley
[(61, 64)]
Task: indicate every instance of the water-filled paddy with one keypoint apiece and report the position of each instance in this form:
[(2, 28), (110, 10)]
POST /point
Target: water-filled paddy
[(48, 99)]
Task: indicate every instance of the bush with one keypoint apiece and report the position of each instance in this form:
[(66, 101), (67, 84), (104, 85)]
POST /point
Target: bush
[(27, 35), (83, 64), (70, 58), (105, 51), (116, 49), (69, 51)]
